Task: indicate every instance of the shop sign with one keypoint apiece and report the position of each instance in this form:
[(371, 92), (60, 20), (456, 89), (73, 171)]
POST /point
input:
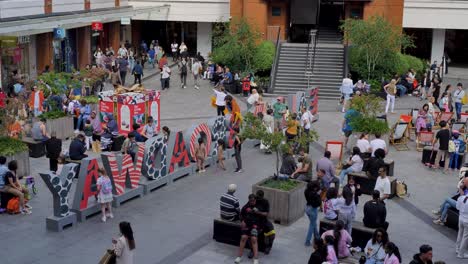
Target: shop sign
[(8, 42), (96, 26), (59, 33), (24, 39), (125, 21)]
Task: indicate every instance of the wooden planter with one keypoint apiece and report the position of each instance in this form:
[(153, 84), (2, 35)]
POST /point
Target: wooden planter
[(285, 206), (63, 126), (23, 163)]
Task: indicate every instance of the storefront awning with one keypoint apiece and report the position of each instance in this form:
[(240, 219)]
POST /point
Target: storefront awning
[(22, 26)]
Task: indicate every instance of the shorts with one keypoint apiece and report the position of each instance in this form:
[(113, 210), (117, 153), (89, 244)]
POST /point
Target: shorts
[(250, 231), (348, 133)]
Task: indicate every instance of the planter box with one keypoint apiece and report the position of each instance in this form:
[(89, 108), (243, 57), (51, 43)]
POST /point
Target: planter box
[(62, 126), (23, 163), (285, 207)]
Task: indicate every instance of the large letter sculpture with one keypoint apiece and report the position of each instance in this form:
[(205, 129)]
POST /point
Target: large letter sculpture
[(203, 131), (86, 179), (218, 129), (154, 165), (119, 175), (180, 155), (59, 186)]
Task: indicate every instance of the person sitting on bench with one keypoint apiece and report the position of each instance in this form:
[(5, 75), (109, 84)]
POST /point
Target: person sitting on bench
[(375, 212), (13, 187), (250, 218), (450, 202), (3, 171), (229, 205), (304, 173), (38, 131), (373, 165), (78, 148), (268, 229)]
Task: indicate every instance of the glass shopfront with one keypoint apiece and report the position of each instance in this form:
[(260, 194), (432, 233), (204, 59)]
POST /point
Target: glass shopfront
[(14, 62)]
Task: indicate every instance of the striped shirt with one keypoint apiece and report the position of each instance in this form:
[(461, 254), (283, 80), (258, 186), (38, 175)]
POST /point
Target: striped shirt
[(229, 206)]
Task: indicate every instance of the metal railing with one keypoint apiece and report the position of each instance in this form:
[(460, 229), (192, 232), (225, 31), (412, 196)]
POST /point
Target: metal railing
[(274, 68)]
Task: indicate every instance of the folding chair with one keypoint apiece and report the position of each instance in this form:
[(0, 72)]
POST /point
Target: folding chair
[(424, 139), (336, 149), (399, 136), (445, 116), (463, 117), (460, 127)]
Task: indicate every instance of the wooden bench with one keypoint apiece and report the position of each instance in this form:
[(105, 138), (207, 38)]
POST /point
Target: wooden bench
[(36, 148), (367, 184), (229, 232), (360, 233)]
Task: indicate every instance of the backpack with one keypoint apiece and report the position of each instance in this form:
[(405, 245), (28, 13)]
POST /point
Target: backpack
[(461, 147), (13, 206), (106, 187), (183, 69), (451, 146)]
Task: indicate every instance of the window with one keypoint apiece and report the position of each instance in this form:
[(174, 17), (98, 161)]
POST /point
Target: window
[(276, 11)]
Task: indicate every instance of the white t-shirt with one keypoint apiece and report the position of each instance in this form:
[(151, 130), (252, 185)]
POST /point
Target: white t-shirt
[(378, 144), (253, 98), (358, 163), (196, 68), (166, 72), (220, 98), (174, 47), (383, 186), (306, 120), (363, 145)]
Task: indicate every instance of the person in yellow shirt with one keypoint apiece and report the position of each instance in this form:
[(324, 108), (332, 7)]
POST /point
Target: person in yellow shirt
[(293, 124)]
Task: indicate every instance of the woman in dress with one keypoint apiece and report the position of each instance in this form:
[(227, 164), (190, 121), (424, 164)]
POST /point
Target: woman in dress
[(422, 117), (125, 244)]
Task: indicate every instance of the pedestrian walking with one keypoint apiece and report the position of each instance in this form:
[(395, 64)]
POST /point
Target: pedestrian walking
[(124, 245), (174, 47), (237, 149), (458, 97), (313, 204), (346, 90), (123, 68), (105, 195), (53, 150), (137, 72), (165, 77), (131, 59), (220, 103), (196, 69), (183, 65), (391, 90), (115, 76)]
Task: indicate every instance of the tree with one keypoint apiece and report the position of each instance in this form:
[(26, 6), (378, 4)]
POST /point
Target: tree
[(253, 128), (238, 45), (375, 40)]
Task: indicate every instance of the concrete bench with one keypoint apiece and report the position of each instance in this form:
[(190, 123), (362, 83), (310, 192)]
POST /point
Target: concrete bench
[(228, 232), (367, 184), (360, 233), (36, 148)]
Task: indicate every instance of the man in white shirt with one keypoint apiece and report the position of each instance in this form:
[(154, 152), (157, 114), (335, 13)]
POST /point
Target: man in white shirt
[(378, 143), (196, 68), (174, 47), (165, 77), (346, 90), (220, 103), (363, 143), (306, 120), (383, 184), (458, 97)]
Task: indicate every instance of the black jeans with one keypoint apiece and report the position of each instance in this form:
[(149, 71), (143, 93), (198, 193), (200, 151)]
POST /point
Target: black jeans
[(237, 154), (137, 78), (220, 110), (183, 79), (53, 164), (123, 74)]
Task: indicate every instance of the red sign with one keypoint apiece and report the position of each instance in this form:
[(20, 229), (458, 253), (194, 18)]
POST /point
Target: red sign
[(96, 26)]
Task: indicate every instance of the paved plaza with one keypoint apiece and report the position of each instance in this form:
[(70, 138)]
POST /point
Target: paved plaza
[(174, 223)]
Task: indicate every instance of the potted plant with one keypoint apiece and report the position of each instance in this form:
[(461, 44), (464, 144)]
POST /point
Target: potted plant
[(59, 122), (11, 117), (92, 101), (286, 196), (368, 107)]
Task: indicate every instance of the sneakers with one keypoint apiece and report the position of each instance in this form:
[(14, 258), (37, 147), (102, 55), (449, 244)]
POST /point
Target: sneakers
[(436, 212), (28, 206), (103, 219), (438, 222), (196, 87), (255, 261), (25, 211), (77, 131), (238, 170), (237, 260), (110, 216)]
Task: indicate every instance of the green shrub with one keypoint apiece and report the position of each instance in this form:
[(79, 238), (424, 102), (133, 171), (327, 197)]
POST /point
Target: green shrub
[(11, 146), (91, 99), (369, 124), (280, 185), (264, 55)]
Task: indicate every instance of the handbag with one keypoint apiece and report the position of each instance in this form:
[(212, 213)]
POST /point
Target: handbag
[(109, 257)]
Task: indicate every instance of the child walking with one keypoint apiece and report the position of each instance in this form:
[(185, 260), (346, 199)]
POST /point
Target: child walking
[(221, 148), (88, 131), (200, 155), (105, 195)]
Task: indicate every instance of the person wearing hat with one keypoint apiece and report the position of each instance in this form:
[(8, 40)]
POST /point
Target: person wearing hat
[(279, 109), (458, 97), (424, 256), (229, 204)]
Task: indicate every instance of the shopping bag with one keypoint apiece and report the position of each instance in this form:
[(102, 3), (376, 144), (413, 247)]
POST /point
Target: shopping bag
[(401, 189), (108, 258), (465, 99), (96, 146)]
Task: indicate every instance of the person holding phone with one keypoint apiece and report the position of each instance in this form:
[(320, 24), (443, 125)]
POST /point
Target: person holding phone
[(124, 245)]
